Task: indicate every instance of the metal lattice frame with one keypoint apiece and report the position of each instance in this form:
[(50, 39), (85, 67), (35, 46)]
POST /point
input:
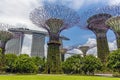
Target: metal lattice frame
[(54, 18), (114, 23), (96, 23)]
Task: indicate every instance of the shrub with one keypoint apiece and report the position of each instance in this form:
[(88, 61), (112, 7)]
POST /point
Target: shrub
[(40, 63), (113, 61), (73, 65), (90, 64), (25, 64), (10, 60)]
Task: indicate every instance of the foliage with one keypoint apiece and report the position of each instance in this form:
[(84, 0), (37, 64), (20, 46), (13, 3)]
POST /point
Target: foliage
[(25, 64), (90, 64), (0, 59), (10, 60), (114, 61), (40, 63), (73, 64)]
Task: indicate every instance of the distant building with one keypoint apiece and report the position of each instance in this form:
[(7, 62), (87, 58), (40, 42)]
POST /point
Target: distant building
[(38, 42), (15, 45)]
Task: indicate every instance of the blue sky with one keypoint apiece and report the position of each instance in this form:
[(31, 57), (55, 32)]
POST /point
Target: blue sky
[(17, 12)]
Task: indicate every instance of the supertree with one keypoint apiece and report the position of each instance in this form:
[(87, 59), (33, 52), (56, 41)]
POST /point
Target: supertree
[(54, 18), (84, 49), (96, 24), (114, 22), (5, 36)]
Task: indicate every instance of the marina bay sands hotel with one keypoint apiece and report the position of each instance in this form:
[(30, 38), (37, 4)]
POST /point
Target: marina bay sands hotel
[(38, 41)]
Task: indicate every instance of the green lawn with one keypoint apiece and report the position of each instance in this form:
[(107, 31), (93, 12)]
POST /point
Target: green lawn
[(53, 77)]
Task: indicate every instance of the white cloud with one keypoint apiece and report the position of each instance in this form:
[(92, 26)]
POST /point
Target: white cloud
[(114, 2), (17, 11), (112, 45), (74, 51), (91, 42)]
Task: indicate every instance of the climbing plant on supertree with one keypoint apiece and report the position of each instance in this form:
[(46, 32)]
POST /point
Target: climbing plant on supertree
[(96, 24), (54, 18)]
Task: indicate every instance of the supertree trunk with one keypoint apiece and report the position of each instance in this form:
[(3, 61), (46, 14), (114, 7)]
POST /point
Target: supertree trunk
[(2, 46), (53, 60), (102, 47), (117, 39)]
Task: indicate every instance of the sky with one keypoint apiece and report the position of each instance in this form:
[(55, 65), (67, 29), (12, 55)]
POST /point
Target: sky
[(17, 12)]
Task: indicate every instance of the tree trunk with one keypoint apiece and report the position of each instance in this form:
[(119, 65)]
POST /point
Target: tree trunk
[(53, 59), (102, 48)]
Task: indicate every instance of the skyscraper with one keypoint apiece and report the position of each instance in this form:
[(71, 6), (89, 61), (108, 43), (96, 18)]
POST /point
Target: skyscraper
[(38, 42), (15, 45)]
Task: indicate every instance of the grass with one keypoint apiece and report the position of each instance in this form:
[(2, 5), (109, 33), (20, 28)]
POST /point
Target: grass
[(54, 77)]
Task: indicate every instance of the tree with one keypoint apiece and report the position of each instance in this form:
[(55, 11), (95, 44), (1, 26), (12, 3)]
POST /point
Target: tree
[(54, 18), (90, 64), (10, 60), (39, 62), (25, 64), (73, 64), (113, 61)]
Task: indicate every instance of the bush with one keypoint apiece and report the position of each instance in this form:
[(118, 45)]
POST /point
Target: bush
[(90, 64), (10, 60), (25, 64), (113, 61), (116, 74), (73, 65), (40, 63)]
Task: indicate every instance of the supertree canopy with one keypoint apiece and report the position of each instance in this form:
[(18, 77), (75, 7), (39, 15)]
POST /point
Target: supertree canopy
[(84, 49), (4, 37), (96, 23), (114, 23), (54, 18)]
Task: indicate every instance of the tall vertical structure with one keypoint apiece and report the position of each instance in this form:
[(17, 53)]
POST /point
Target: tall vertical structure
[(114, 23), (84, 49), (5, 36), (15, 45), (54, 18), (96, 24), (38, 42), (62, 51)]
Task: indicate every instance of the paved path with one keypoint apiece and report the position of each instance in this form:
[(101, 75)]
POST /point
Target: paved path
[(109, 75)]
